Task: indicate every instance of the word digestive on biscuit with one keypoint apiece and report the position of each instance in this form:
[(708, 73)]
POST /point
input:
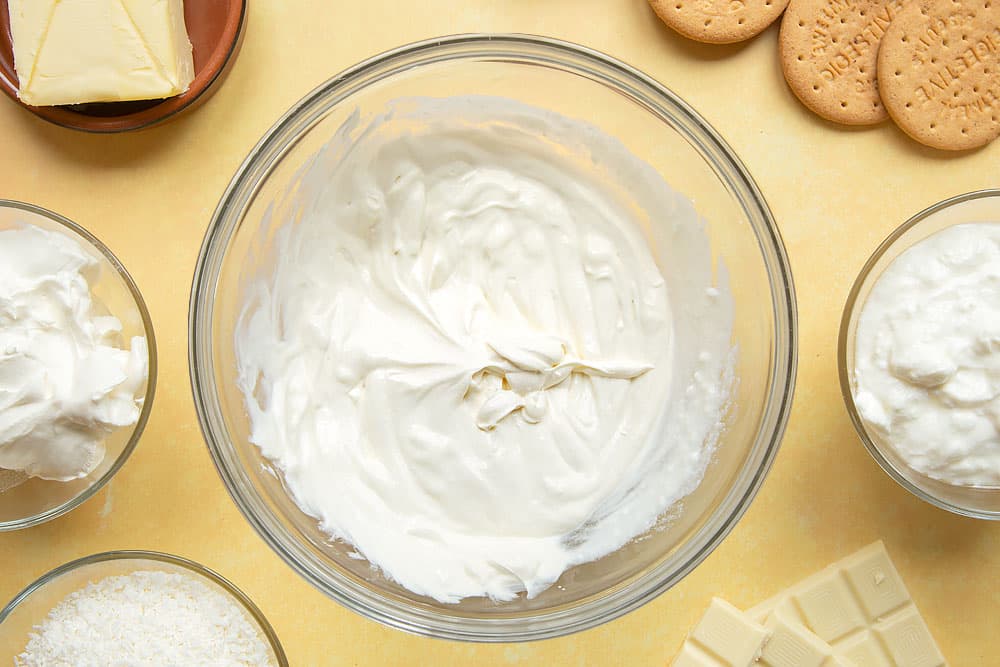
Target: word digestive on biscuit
[(868, 38)]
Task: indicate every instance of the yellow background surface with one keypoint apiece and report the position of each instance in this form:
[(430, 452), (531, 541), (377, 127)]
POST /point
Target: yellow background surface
[(835, 192)]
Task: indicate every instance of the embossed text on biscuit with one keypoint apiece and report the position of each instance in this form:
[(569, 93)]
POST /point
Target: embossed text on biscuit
[(860, 44), (981, 53)]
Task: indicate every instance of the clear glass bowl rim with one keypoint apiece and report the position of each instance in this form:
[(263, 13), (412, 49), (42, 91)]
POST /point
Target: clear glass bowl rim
[(189, 565), (641, 89), (845, 333), (147, 325)]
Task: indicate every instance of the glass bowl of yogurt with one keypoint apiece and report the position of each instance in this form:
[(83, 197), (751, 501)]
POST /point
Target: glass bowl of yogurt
[(136, 607), (492, 338), (77, 365), (919, 354)]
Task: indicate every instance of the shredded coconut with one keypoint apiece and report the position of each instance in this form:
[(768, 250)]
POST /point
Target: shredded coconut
[(146, 618)]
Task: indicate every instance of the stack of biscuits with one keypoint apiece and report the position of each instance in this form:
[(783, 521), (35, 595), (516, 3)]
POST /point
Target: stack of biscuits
[(933, 66)]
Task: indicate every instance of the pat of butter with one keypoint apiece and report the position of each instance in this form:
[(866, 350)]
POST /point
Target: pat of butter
[(73, 51)]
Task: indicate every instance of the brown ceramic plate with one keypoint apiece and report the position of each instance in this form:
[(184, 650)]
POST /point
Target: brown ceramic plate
[(216, 31)]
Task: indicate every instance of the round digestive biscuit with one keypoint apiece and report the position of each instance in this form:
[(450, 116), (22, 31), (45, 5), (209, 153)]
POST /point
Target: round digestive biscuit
[(718, 21), (939, 72), (829, 50)]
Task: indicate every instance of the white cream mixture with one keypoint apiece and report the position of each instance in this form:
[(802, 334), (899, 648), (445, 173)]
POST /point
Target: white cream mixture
[(65, 382), (927, 365), (464, 357)]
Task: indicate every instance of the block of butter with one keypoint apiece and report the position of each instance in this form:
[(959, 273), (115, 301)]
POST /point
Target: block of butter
[(73, 51)]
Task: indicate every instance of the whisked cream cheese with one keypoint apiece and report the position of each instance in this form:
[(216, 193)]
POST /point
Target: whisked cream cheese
[(67, 380), (464, 356), (927, 355)]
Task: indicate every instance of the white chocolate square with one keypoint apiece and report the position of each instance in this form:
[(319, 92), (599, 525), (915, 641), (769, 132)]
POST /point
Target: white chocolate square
[(792, 645), (865, 649), (724, 637), (878, 585), (830, 608), (692, 656), (909, 641)]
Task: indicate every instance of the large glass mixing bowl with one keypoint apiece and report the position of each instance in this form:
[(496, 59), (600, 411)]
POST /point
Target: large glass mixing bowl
[(656, 126)]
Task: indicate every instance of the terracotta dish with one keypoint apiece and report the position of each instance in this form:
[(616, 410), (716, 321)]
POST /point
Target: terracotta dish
[(216, 31)]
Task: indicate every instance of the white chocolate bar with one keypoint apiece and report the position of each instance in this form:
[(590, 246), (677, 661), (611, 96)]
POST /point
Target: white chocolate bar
[(724, 637), (860, 609)]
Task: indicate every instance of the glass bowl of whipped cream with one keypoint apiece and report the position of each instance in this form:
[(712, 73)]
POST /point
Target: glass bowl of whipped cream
[(919, 354), (492, 338), (77, 365)]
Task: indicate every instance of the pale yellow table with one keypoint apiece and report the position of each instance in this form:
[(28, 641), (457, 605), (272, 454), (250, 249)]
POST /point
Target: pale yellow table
[(835, 193)]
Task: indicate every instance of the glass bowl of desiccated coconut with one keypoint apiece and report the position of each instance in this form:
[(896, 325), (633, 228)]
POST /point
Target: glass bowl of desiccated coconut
[(136, 608)]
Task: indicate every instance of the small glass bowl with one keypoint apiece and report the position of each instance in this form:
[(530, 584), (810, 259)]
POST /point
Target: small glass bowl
[(979, 206), (28, 502), (32, 605)]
